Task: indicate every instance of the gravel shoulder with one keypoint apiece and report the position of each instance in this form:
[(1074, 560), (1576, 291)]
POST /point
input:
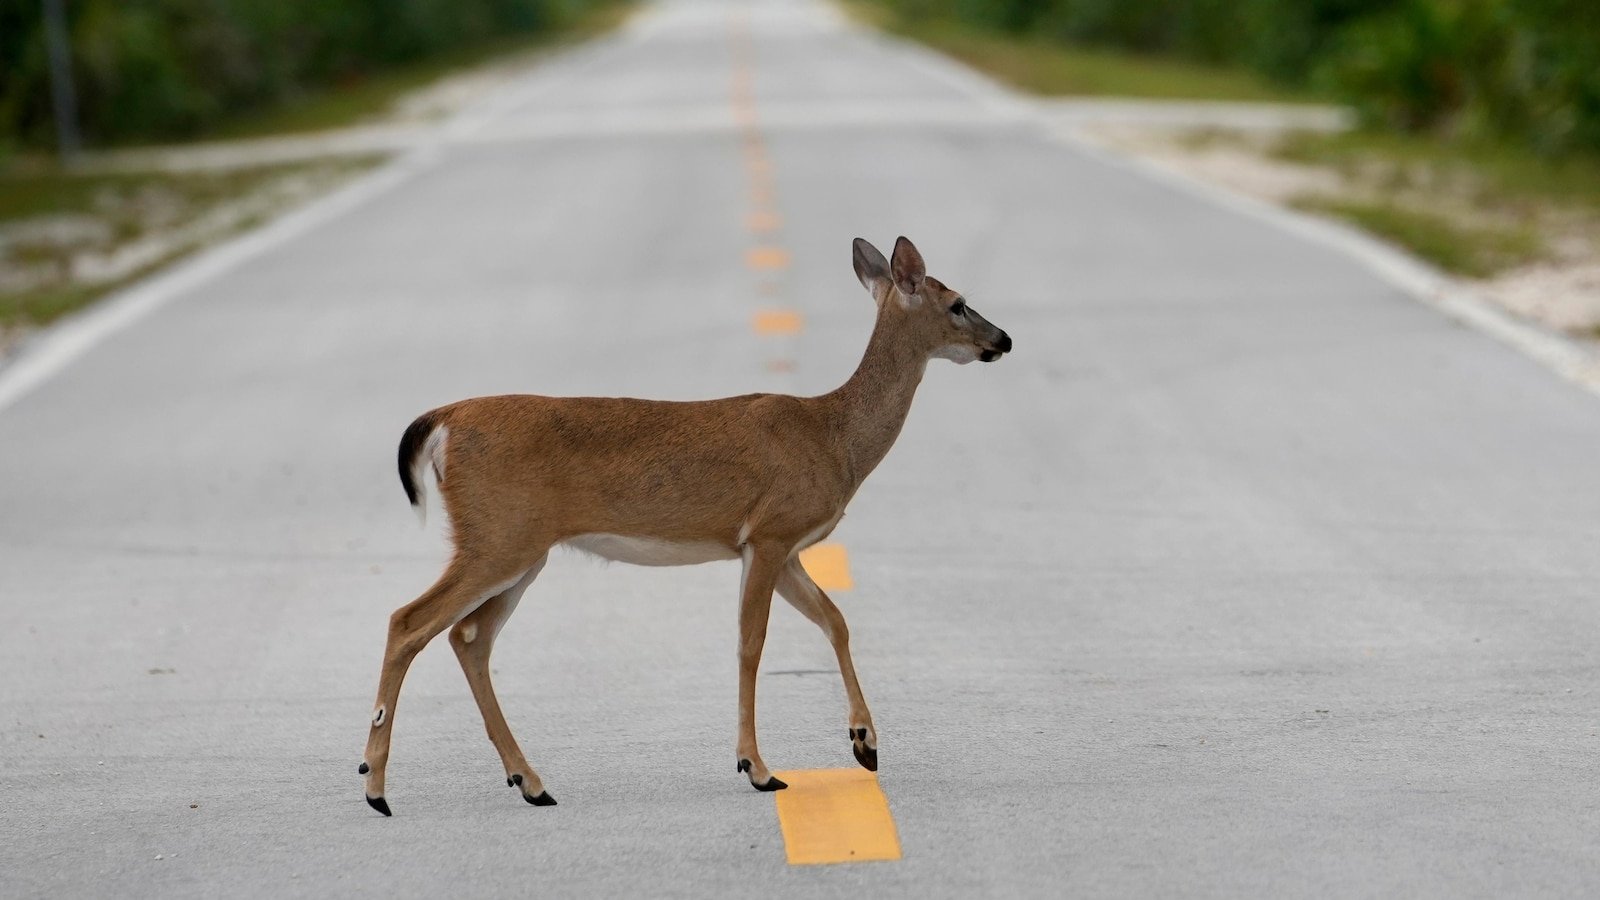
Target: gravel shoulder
[(1537, 259), (69, 236)]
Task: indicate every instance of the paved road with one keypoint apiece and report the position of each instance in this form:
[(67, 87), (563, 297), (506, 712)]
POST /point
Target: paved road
[(1243, 576)]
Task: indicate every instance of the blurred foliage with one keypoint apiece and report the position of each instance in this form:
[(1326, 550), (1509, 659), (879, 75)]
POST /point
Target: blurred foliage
[(1527, 71), (165, 69)]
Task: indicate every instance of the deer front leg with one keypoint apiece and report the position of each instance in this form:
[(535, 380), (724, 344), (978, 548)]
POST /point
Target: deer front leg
[(797, 587), (762, 565)]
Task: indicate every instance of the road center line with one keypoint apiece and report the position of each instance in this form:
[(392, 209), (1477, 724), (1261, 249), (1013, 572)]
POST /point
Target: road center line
[(777, 321), (835, 816), (828, 565), (767, 258)]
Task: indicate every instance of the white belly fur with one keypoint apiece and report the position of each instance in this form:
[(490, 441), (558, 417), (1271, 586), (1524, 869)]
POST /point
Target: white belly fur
[(642, 551)]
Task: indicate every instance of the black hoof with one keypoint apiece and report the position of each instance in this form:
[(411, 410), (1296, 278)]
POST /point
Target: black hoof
[(773, 784), (744, 766), (379, 804), (867, 756), (544, 799), (363, 769), (514, 781)]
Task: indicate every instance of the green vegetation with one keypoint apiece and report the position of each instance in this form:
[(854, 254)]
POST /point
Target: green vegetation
[(1492, 173), (1474, 208), (177, 69), (1476, 251), (1519, 72), (340, 105), (1047, 67), (41, 305), (50, 220), (1481, 145)]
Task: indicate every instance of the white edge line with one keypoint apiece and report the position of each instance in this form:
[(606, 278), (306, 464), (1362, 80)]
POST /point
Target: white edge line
[(1565, 356), (47, 353), (1556, 352)]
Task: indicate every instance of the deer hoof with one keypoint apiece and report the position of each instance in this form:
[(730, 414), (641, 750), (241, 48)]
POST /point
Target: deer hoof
[(866, 756), (543, 799), (773, 783), (379, 804)]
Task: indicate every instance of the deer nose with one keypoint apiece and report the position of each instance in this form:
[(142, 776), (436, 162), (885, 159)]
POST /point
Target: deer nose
[(1005, 342)]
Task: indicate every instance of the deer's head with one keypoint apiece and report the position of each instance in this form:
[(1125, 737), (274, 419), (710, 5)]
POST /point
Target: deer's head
[(925, 314)]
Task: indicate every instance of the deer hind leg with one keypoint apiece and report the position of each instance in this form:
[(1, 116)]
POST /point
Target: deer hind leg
[(461, 589), (473, 640), (761, 568), (795, 585)]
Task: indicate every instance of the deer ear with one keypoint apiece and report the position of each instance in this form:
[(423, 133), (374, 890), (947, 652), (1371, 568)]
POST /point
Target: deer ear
[(907, 268), (871, 268)]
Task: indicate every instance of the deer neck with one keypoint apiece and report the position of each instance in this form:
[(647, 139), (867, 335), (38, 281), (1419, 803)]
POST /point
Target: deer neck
[(871, 406)]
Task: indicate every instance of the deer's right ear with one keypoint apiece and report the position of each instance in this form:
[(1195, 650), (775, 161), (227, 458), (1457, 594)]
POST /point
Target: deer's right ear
[(871, 268)]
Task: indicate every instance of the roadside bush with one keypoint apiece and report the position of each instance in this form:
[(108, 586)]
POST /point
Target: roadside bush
[(1525, 71), (158, 69)]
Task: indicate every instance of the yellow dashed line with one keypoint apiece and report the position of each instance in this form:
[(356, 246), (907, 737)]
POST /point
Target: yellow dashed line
[(777, 321), (767, 258), (835, 816), (828, 565), (763, 220)]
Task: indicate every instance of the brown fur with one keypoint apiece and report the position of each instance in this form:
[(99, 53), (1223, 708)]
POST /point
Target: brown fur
[(759, 476)]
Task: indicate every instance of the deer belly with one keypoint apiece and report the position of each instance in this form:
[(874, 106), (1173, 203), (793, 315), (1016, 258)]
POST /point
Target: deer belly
[(644, 551)]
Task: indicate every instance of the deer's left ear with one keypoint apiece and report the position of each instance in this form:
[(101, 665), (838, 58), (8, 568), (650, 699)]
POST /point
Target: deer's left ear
[(907, 270), (871, 268)]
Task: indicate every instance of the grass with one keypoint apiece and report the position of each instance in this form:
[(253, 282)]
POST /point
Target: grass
[(1502, 173), (1476, 251), (125, 207), (1475, 208), (39, 306), (39, 189), (373, 95), (117, 208), (1045, 67)]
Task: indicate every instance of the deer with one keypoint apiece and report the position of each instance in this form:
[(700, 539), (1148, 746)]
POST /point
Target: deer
[(757, 478)]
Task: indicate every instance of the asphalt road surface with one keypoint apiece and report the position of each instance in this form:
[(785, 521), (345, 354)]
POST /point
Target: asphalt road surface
[(1244, 575)]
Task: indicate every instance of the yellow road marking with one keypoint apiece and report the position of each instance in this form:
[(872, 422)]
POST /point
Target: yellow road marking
[(763, 220), (767, 258), (828, 565), (777, 321), (835, 816)]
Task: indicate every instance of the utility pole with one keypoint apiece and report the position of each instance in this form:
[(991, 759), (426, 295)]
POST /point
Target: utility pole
[(63, 93)]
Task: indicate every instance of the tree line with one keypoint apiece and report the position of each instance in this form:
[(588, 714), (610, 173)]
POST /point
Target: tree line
[(165, 69), (1526, 71)]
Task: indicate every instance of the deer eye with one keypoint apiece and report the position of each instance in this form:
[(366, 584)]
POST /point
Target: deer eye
[(960, 309)]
